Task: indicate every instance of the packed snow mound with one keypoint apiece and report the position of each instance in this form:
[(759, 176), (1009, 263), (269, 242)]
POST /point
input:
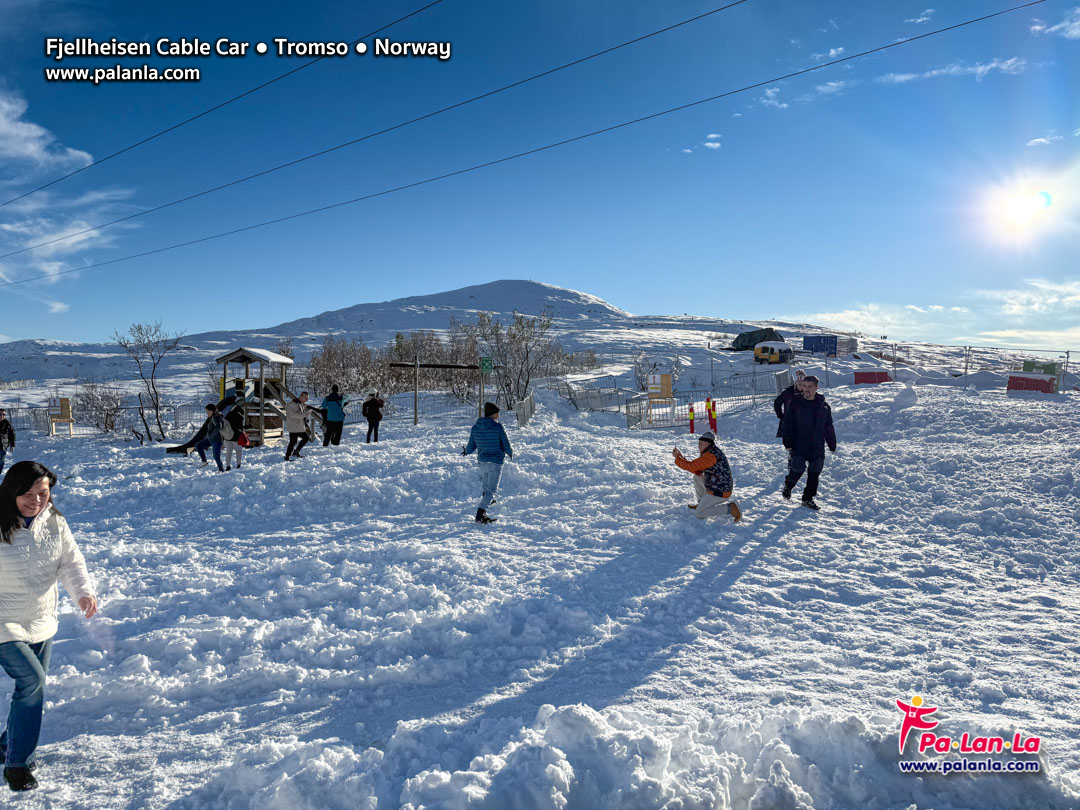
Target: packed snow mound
[(576, 758), (905, 398)]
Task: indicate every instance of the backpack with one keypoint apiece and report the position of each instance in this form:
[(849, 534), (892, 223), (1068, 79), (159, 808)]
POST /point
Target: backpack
[(226, 431)]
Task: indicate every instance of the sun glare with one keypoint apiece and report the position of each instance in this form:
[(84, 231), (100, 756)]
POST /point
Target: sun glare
[(1021, 212)]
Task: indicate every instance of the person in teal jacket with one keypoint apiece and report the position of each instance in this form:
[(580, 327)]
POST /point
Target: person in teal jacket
[(488, 440), (333, 408)]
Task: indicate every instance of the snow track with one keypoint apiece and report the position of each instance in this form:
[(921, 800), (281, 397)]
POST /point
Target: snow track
[(338, 633)]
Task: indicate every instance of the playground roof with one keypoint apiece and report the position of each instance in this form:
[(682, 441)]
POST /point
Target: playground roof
[(244, 355)]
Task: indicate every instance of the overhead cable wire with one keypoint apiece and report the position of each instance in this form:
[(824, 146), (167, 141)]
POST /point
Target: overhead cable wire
[(371, 135), (215, 108), (534, 151)]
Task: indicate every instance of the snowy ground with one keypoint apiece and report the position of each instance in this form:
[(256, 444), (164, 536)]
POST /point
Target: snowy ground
[(337, 633)]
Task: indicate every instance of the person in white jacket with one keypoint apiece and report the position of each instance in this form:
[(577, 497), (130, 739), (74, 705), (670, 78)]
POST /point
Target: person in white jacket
[(296, 415), (36, 549)]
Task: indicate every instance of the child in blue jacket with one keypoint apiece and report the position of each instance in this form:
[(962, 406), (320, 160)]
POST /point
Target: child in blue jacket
[(488, 440)]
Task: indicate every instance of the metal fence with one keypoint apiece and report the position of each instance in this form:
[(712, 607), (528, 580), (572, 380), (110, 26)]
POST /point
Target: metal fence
[(733, 394), (14, 385), (594, 394), (429, 405), (525, 409), (187, 418), (909, 361)]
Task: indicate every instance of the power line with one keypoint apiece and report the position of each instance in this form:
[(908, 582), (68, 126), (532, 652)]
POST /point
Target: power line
[(535, 150), (370, 135), (214, 108)]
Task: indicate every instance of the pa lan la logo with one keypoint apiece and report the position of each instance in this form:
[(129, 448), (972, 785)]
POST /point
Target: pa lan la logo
[(918, 717)]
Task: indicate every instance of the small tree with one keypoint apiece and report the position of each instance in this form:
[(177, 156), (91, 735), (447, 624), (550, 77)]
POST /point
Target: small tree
[(213, 380), (100, 403), (148, 345), (284, 347), (642, 369), (523, 349)]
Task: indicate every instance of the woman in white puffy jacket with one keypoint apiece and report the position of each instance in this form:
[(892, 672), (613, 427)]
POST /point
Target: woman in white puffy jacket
[(36, 549)]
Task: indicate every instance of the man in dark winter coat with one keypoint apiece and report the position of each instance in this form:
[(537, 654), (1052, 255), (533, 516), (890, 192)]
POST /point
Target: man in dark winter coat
[(7, 437), (713, 483), (807, 427), (372, 411), (783, 399), (488, 440)]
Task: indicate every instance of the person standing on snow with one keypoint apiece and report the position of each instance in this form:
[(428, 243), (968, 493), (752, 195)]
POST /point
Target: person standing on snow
[(234, 426), (372, 411), (333, 408), (296, 423), (36, 549), (783, 399), (488, 440), (713, 483), (214, 421), (807, 428), (7, 437)]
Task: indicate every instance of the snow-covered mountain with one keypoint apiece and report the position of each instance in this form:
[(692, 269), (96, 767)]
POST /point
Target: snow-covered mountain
[(581, 321)]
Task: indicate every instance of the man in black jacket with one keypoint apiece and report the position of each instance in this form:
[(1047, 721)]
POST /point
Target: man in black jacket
[(807, 428), (783, 399), (7, 437), (372, 411)]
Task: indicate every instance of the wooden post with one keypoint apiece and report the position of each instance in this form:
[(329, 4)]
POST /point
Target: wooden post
[(224, 376), (262, 404), (416, 392), (480, 404)]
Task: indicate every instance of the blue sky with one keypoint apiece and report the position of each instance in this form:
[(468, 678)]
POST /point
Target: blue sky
[(888, 194)]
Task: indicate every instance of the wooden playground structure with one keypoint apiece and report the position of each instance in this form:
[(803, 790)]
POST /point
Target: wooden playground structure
[(263, 396)]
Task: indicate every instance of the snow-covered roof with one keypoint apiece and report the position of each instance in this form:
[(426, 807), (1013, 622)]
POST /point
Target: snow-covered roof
[(245, 355), (773, 344)]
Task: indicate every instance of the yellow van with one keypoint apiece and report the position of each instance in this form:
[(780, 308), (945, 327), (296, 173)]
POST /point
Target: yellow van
[(773, 352)]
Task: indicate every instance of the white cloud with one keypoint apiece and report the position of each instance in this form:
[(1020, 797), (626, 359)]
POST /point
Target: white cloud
[(712, 144), (739, 115), (688, 151), (795, 43), (935, 308), (832, 53), (1046, 141), (1076, 133), (831, 88), (712, 136), (27, 151), (1038, 297), (26, 145), (771, 99), (922, 18), (1068, 28), (981, 70)]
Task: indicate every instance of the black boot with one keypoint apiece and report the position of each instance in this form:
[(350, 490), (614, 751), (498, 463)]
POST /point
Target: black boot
[(786, 493), (20, 779), (482, 517), (810, 503)]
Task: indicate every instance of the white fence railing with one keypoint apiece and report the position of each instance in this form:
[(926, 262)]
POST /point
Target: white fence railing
[(739, 392), (525, 409)]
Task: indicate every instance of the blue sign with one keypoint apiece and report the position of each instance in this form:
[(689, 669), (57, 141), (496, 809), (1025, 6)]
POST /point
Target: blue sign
[(820, 344)]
